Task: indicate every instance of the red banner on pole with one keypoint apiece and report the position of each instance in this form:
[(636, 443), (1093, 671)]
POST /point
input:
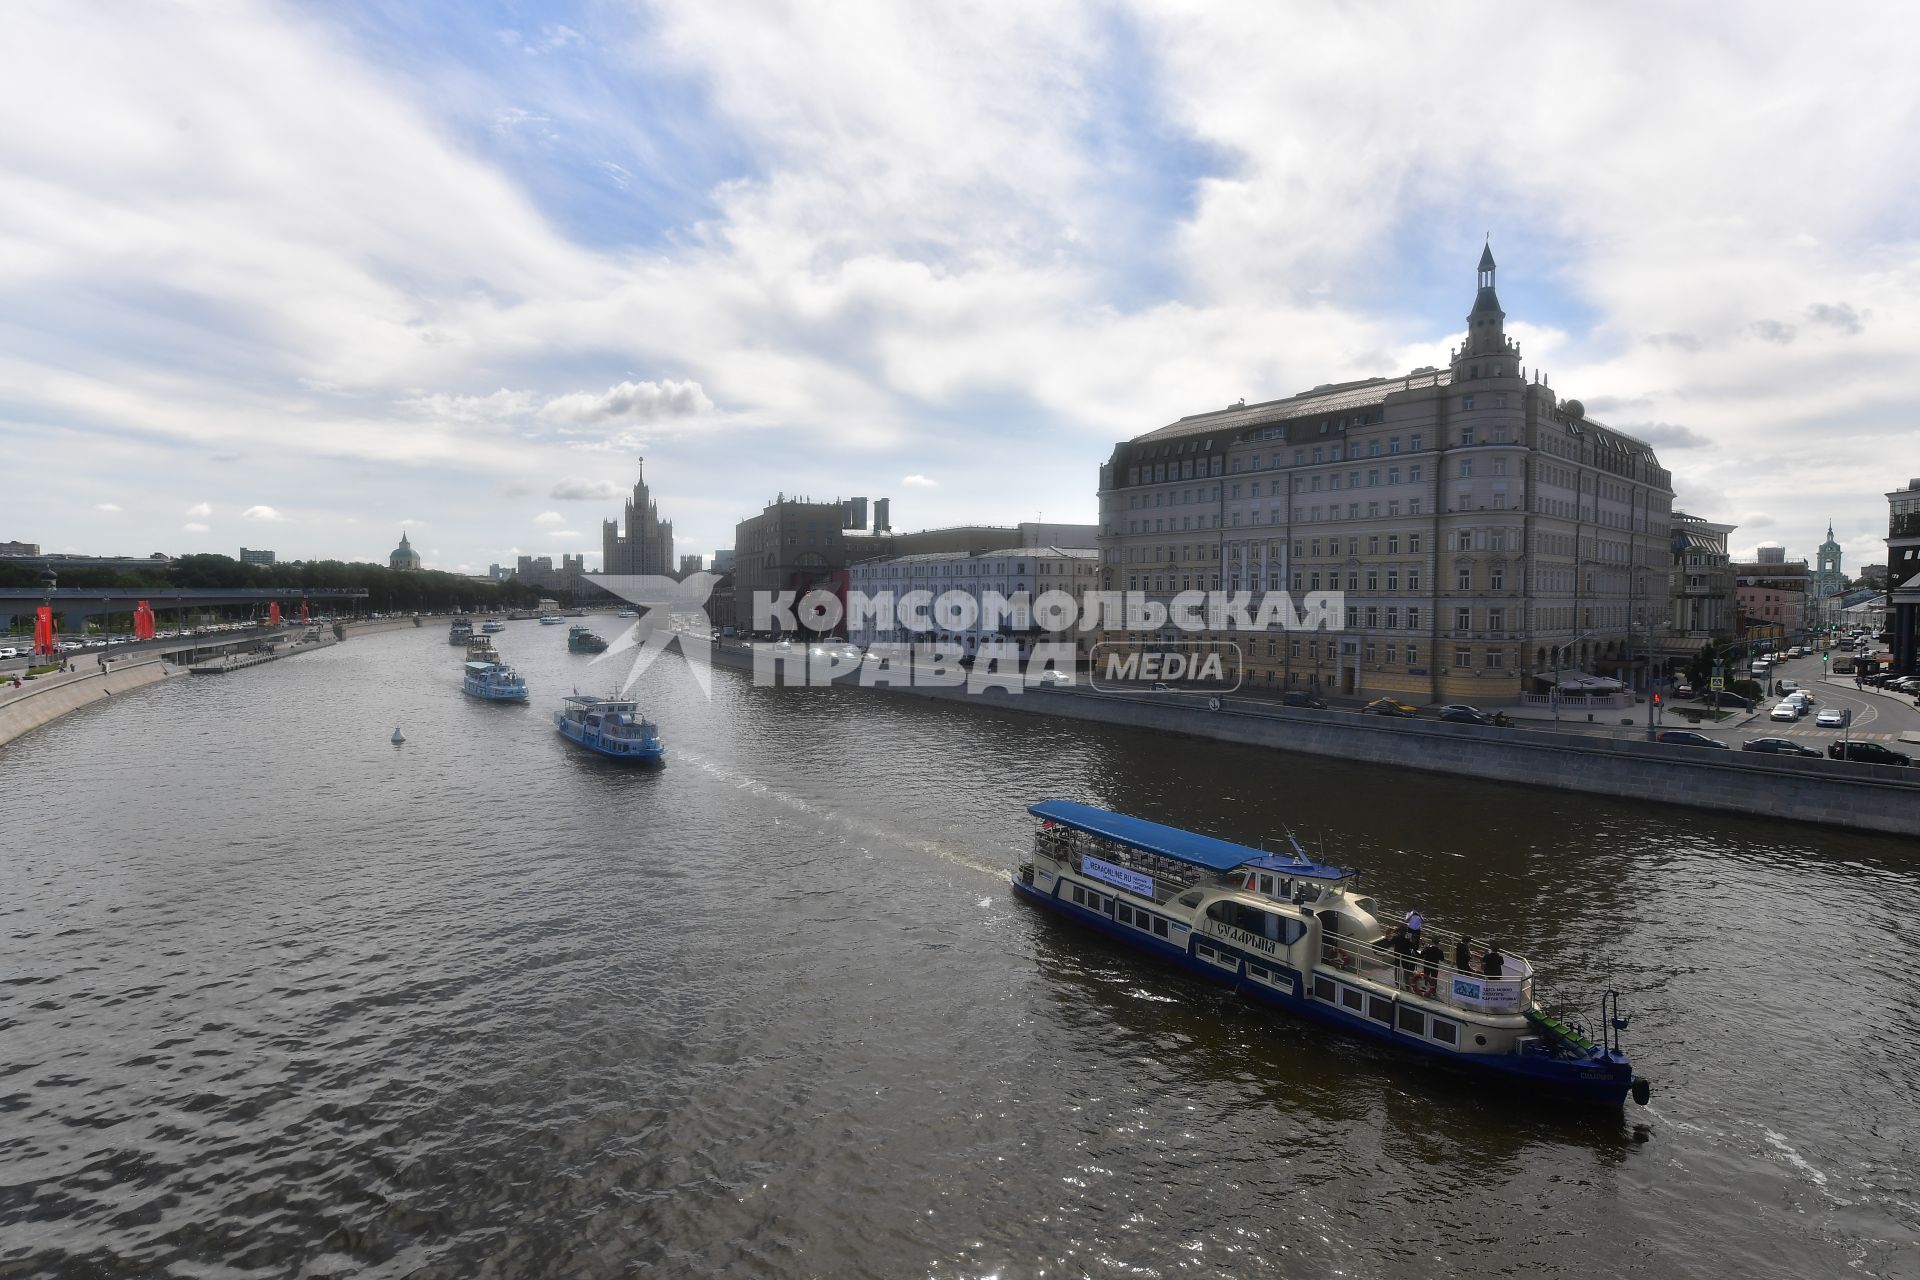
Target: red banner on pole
[(143, 628), (303, 611), (273, 614), (43, 631)]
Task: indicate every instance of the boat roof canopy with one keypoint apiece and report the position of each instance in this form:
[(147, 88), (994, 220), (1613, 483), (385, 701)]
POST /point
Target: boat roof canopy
[(1171, 842), (477, 667)]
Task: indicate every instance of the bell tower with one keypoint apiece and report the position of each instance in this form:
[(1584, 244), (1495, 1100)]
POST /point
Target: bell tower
[(1487, 352)]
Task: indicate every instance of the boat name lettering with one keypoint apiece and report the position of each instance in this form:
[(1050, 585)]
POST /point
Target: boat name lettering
[(1131, 881), (1235, 934)]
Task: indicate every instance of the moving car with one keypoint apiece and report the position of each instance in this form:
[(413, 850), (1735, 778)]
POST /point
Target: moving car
[(1688, 738), (1465, 715), (1055, 678), (1295, 698), (1831, 718), (1786, 710), (1866, 753), (1389, 707), (1779, 747)]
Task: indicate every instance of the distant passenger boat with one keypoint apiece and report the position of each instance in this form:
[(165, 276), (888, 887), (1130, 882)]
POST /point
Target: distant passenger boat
[(493, 626), (627, 613), (581, 640), (494, 682), (610, 726), (460, 631), (1289, 932), (551, 619)]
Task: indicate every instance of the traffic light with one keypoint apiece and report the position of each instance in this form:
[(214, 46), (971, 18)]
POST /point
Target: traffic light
[(1656, 699)]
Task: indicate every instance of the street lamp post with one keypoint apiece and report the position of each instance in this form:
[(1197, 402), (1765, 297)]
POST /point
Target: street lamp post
[(1557, 651)]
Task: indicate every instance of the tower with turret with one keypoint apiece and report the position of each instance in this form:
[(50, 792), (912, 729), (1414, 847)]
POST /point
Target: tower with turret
[(647, 545), (1828, 580)]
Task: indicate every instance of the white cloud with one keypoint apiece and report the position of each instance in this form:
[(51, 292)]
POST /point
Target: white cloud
[(629, 402), (200, 510), (194, 527), (106, 506), (405, 307), (263, 514), (919, 482), (582, 490), (549, 517), (563, 533)]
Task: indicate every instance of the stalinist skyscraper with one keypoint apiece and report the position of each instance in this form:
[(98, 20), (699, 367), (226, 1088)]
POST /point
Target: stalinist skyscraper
[(647, 546)]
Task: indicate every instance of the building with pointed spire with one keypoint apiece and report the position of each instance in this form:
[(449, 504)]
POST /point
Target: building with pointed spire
[(646, 547), (404, 556), (1486, 536), (1828, 580)]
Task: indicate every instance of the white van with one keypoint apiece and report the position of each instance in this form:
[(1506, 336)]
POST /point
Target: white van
[(1759, 669)]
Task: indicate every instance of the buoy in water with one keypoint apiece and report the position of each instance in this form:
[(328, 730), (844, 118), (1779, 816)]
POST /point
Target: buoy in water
[(1642, 1091), (398, 737)]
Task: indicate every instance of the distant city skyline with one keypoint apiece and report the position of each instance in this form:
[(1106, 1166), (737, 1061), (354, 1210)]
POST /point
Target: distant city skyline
[(406, 270)]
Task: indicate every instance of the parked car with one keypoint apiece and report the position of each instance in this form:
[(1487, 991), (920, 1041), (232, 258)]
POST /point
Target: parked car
[(1295, 698), (1389, 707), (1788, 686), (1786, 710), (1683, 690), (1831, 718), (1055, 678), (9, 653), (1778, 747), (1866, 753), (1465, 715), (1688, 738)]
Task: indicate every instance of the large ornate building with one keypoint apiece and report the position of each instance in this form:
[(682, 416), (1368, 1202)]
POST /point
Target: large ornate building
[(1486, 534), (647, 545)]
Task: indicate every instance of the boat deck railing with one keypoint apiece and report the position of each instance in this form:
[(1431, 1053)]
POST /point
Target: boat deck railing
[(1171, 877), (1430, 980)]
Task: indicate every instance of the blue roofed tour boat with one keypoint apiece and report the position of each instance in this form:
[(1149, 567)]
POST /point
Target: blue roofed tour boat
[(610, 726), (1298, 934), (494, 682), (460, 630), (493, 626)]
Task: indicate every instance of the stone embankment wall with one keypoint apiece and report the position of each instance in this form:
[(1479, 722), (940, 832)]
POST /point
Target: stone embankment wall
[(48, 698), (1865, 797)]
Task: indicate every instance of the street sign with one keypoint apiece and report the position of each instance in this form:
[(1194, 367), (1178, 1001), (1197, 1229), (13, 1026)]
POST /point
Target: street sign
[(1717, 683)]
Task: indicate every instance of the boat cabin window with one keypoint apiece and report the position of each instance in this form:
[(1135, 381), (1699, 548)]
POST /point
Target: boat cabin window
[(1274, 886)]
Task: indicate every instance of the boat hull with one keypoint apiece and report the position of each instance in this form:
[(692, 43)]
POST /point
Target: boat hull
[(617, 749), (1601, 1081), (496, 695)]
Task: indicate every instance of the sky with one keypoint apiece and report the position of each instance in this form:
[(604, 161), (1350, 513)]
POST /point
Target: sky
[(301, 277)]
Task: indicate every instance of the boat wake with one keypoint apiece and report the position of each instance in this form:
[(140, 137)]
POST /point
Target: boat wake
[(860, 829)]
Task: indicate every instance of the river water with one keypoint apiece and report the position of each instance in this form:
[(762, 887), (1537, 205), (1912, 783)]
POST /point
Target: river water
[(279, 998)]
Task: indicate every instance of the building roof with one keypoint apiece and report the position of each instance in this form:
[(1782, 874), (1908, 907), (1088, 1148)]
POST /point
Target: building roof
[(1336, 397)]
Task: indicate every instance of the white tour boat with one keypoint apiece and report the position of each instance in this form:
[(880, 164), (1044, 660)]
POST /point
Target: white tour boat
[(1290, 932)]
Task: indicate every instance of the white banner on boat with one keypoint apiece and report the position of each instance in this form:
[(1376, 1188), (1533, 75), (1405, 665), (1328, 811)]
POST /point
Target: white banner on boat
[(1131, 881), (1491, 994)]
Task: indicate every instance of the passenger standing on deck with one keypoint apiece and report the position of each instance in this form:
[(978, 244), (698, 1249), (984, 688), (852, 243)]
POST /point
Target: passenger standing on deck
[(1430, 957), (1463, 954), (1413, 926), (1402, 945), (1494, 961)]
